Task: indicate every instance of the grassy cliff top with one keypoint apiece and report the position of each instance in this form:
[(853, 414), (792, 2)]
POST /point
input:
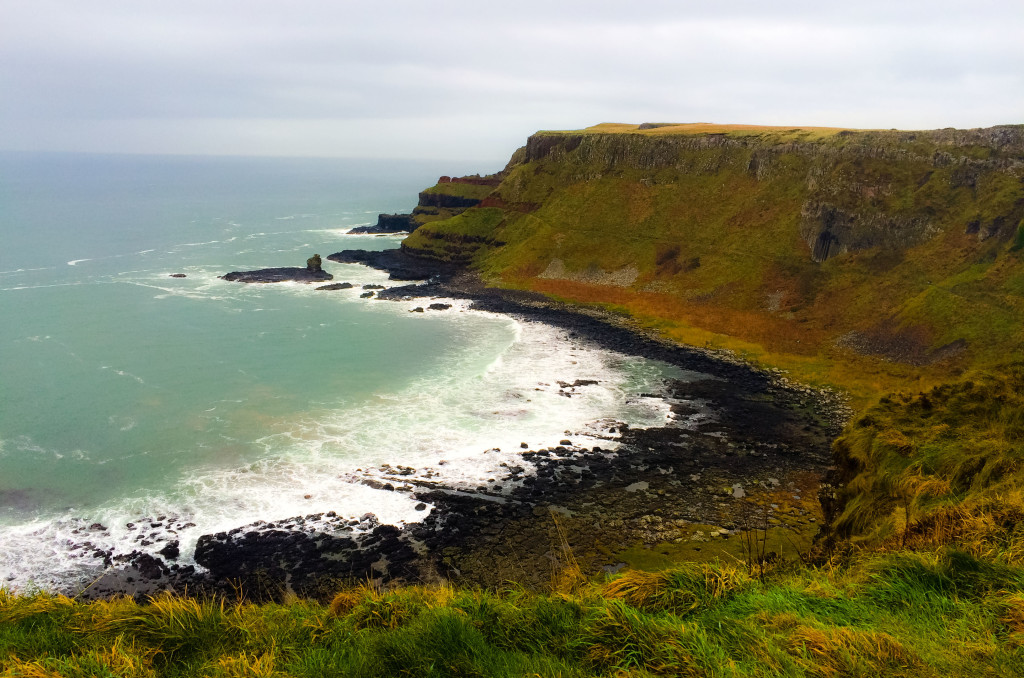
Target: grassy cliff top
[(695, 128), (1006, 137)]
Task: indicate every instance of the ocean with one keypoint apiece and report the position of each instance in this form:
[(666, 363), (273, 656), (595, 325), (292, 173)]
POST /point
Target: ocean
[(127, 394)]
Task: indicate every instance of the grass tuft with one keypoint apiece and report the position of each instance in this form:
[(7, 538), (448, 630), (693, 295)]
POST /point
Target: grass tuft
[(680, 590), (834, 652), (620, 637)]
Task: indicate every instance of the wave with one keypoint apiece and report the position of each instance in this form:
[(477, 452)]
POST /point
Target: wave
[(27, 270), (123, 373), (37, 287), (459, 425)]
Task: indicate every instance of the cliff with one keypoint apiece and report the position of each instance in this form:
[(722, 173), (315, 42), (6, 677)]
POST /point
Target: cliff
[(809, 247), (451, 196)]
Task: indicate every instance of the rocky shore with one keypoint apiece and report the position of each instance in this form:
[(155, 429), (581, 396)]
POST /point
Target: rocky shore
[(743, 454)]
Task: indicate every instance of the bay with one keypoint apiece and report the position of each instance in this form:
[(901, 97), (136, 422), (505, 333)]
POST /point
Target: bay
[(126, 393)]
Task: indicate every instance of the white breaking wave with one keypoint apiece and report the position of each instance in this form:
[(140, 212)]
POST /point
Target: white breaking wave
[(458, 426)]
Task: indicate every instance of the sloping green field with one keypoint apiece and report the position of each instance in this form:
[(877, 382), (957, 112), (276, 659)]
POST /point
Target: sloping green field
[(715, 235)]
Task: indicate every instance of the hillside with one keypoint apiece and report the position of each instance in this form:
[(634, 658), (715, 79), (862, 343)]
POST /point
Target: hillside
[(887, 264), (869, 259)]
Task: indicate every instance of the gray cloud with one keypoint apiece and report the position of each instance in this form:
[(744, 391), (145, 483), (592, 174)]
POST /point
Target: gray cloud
[(460, 79)]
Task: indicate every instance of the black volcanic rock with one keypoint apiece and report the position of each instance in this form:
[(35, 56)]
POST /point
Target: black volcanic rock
[(446, 200), (171, 551), (337, 286), (148, 566), (306, 558), (400, 265), (272, 275), (389, 223)]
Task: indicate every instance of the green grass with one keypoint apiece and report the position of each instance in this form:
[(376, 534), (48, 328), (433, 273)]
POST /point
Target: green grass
[(929, 467), (918, 614), (458, 238), (718, 232), (932, 585), (921, 572), (461, 190)]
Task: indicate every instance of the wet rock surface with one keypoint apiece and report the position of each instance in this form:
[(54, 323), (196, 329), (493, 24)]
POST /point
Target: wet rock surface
[(741, 445), (272, 275), (396, 262)]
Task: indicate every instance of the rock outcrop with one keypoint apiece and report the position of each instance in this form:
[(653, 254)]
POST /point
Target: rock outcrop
[(389, 223), (450, 197), (272, 275), (399, 264)]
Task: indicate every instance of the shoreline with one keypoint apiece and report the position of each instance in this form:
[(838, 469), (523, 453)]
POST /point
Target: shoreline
[(662, 485)]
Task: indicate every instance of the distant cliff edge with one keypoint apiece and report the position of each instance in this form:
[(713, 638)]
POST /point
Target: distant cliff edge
[(812, 247)]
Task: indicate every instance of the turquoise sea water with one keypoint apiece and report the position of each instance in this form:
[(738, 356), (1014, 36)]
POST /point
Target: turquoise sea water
[(127, 393)]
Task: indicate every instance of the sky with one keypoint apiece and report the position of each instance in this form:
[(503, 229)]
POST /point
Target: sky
[(471, 80)]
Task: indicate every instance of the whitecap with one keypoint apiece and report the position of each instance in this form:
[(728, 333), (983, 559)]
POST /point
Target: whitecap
[(29, 270), (483, 400), (123, 373)]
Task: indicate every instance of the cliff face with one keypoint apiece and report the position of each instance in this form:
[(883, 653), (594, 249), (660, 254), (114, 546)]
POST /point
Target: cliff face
[(451, 196), (904, 245)]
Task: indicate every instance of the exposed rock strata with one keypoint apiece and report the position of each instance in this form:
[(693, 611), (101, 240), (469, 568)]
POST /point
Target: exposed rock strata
[(842, 210), (389, 223), (430, 205)]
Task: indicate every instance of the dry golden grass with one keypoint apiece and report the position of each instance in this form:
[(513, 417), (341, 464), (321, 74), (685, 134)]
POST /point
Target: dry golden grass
[(20, 669), (771, 332), (15, 608), (681, 590), (978, 530), (122, 659), (370, 607), (1012, 617), (834, 652), (344, 601), (703, 128), (246, 665), (804, 350)]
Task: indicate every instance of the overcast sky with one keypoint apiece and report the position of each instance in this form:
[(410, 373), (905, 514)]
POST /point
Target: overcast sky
[(471, 80)]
